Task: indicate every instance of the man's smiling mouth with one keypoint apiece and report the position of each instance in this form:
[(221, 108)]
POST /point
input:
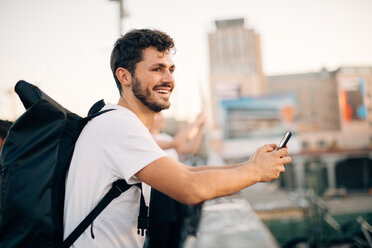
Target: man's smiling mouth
[(163, 89)]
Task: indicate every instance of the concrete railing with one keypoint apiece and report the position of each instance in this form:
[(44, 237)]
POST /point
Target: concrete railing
[(228, 222)]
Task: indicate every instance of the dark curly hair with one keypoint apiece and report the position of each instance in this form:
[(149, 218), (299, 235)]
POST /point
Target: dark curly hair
[(128, 49)]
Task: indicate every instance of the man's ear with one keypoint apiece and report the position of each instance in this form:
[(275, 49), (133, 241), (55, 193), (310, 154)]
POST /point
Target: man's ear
[(124, 76)]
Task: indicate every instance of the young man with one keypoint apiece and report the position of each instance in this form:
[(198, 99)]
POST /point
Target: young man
[(118, 144)]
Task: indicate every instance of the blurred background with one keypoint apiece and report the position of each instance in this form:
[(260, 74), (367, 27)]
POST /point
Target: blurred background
[(257, 69)]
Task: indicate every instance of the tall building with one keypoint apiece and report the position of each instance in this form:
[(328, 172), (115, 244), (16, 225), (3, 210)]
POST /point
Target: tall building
[(235, 63)]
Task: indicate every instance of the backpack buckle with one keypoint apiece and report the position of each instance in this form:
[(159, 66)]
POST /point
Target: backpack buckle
[(142, 225)]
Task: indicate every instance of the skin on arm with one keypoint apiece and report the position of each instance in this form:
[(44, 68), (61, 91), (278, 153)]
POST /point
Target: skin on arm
[(192, 145), (164, 144), (192, 186), (182, 142)]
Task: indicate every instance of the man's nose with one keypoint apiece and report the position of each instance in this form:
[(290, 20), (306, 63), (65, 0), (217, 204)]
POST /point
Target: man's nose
[(168, 77)]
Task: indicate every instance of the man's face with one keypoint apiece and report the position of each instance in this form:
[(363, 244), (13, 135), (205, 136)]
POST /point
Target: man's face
[(153, 81)]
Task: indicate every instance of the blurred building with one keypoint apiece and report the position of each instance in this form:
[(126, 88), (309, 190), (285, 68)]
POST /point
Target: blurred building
[(235, 63), (316, 95), (252, 117), (330, 113), (334, 108), (250, 122)]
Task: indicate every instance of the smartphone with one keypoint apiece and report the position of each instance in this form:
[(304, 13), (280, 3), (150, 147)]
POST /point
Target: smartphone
[(284, 140)]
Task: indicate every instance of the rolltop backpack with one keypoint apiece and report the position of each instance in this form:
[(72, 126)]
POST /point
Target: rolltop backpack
[(34, 162)]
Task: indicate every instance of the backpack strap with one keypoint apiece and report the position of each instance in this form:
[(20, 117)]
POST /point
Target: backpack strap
[(117, 188), (143, 217), (96, 107), (95, 110)]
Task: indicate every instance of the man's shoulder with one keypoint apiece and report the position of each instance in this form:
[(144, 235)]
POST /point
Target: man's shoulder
[(116, 121), (119, 110), (118, 113)]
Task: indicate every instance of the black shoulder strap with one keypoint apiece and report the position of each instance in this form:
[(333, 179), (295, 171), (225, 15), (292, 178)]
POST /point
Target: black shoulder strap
[(95, 110), (117, 188), (96, 107), (143, 217)]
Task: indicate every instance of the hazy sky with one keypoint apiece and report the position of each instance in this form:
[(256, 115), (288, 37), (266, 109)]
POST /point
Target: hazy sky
[(64, 45)]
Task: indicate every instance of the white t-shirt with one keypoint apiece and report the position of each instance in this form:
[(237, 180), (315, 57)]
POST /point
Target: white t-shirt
[(114, 145)]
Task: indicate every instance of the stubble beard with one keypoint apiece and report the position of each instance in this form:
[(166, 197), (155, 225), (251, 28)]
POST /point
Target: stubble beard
[(145, 97)]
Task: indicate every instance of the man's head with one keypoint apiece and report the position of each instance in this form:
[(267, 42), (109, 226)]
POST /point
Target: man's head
[(4, 128), (128, 50)]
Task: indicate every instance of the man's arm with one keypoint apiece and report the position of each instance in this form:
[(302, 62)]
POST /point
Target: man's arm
[(193, 186), (165, 144), (187, 140), (195, 135), (182, 145), (192, 146)]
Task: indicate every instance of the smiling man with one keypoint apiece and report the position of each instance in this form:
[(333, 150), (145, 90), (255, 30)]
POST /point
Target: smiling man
[(118, 145)]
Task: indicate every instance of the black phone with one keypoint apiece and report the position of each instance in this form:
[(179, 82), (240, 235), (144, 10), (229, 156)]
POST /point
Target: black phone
[(284, 140)]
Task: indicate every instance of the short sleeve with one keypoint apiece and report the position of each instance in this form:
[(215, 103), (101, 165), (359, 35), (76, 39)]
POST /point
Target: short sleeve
[(129, 146)]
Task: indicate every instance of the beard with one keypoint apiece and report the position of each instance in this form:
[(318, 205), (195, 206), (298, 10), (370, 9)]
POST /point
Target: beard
[(145, 97)]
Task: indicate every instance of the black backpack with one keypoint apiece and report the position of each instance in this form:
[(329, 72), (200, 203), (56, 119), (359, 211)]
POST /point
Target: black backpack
[(34, 162)]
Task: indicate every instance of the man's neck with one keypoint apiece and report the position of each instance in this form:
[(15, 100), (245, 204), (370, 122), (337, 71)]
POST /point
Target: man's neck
[(146, 116)]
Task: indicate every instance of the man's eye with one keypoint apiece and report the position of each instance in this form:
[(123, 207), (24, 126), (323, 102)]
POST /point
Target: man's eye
[(156, 69)]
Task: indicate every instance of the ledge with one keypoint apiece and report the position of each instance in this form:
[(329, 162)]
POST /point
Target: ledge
[(230, 222)]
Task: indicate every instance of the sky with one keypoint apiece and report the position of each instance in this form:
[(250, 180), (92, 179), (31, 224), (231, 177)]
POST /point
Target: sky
[(63, 46)]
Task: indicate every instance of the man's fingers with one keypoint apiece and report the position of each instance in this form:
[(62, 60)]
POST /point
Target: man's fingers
[(286, 160), (282, 152), (269, 147)]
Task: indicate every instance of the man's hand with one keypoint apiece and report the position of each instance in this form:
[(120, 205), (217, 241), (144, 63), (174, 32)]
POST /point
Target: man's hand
[(268, 162)]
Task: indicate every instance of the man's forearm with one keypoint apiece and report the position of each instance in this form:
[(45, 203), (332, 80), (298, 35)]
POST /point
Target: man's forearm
[(224, 180), (211, 167), (192, 185)]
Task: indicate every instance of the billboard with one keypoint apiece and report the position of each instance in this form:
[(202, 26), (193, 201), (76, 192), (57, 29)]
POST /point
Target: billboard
[(258, 116), (351, 98)]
